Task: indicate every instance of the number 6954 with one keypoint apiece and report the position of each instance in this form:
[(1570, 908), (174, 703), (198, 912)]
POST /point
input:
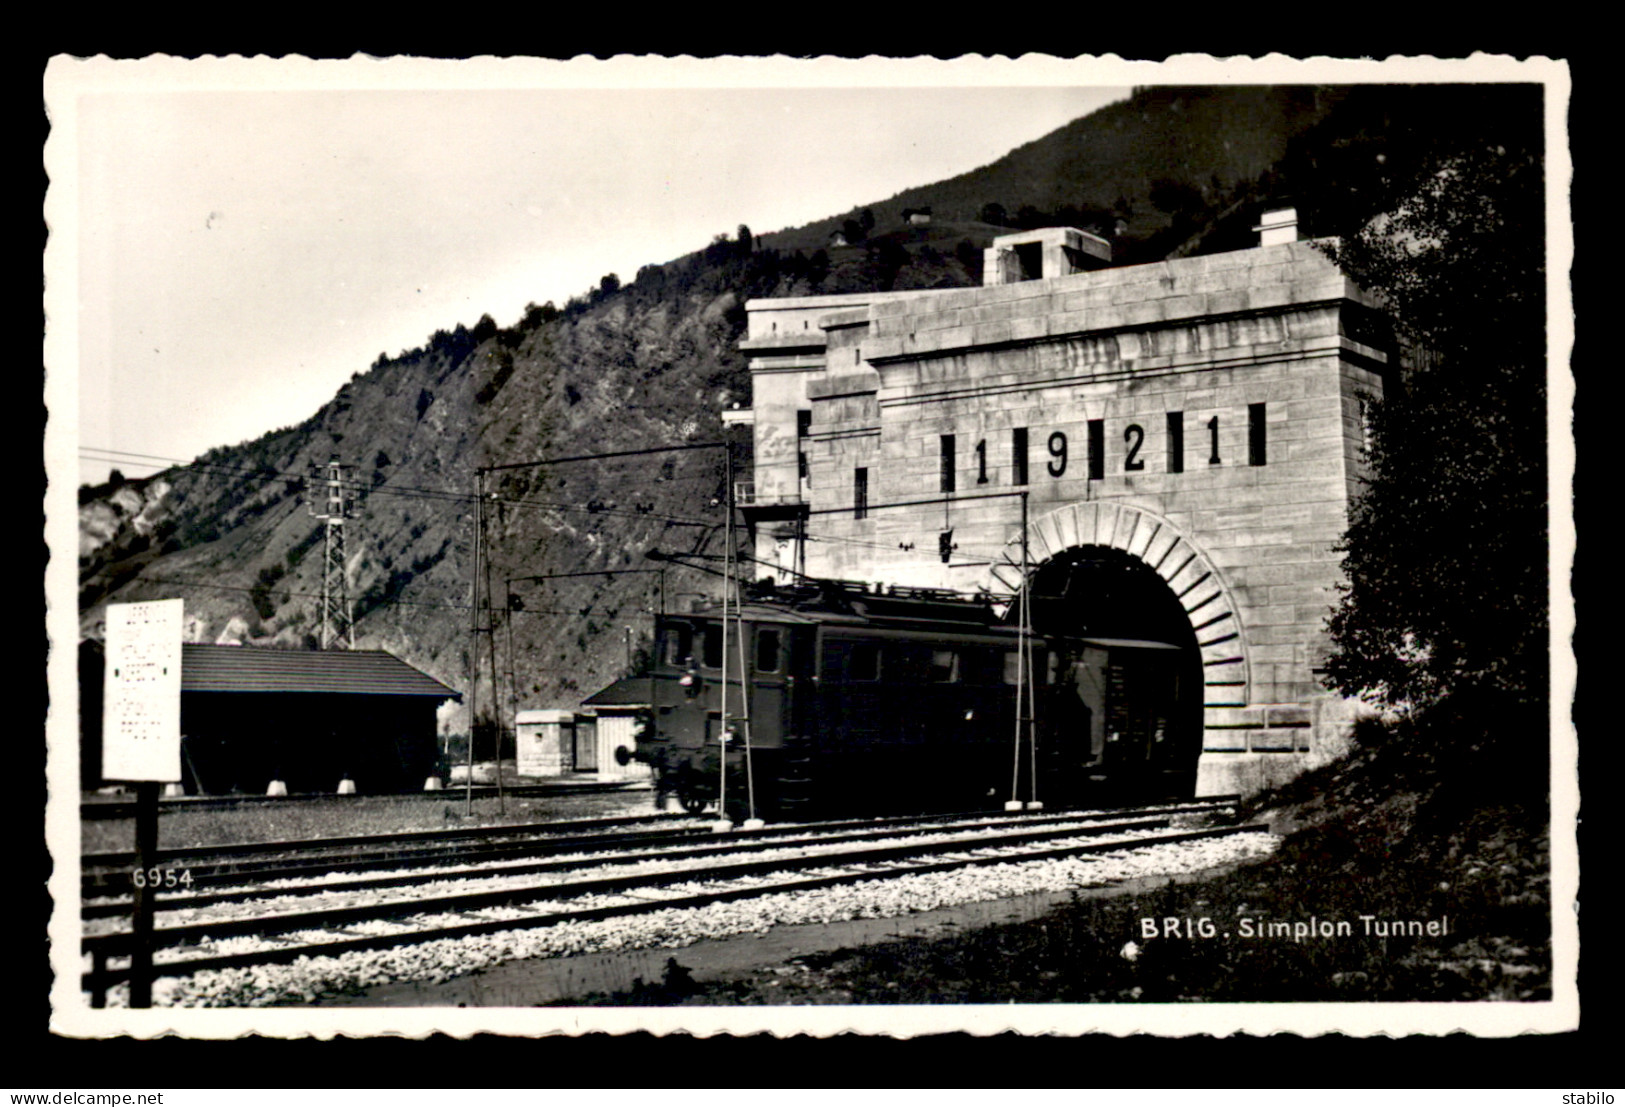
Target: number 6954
[(161, 878)]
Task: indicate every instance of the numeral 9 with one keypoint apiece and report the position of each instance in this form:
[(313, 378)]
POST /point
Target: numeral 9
[(1057, 450)]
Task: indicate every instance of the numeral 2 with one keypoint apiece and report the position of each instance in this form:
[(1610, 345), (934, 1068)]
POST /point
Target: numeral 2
[(1135, 437)]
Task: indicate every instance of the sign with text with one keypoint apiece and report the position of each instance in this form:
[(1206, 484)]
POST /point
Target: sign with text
[(141, 713)]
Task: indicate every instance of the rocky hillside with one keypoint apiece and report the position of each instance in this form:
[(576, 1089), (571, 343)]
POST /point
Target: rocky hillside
[(621, 369), (654, 362)]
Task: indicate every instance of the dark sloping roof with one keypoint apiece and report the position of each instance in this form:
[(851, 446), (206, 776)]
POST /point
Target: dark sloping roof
[(630, 692), (356, 672)]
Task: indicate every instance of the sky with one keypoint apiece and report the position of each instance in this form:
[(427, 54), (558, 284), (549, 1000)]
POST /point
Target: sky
[(244, 240)]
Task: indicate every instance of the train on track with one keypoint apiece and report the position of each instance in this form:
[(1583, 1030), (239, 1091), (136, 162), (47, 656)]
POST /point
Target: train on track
[(862, 699)]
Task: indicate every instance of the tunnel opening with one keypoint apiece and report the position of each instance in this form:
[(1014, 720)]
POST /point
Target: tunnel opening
[(1122, 683)]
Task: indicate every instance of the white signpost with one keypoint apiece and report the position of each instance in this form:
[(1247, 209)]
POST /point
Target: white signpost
[(141, 728), (141, 742)]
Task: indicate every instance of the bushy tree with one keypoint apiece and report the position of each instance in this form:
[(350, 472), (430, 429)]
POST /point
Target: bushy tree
[(889, 259), (537, 316), (1175, 197), (1446, 554), (818, 267)]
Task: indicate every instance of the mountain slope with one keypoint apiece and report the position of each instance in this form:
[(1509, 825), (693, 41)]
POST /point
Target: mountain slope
[(1200, 145)]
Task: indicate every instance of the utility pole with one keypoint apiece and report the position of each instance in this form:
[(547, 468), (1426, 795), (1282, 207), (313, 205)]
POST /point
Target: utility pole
[(723, 822), (336, 496), (497, 721), (474, 640)]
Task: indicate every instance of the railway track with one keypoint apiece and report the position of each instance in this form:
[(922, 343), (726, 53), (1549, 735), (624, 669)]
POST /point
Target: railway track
[(329, 919), (618, 849), (106, 874)]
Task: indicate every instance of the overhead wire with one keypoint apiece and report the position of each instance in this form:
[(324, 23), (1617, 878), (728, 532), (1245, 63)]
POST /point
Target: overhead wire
[(411, 492), (544, 505), (312, 477), (289, 593)]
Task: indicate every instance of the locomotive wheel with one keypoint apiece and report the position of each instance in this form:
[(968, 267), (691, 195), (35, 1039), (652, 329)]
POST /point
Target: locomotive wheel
[(691, 797)]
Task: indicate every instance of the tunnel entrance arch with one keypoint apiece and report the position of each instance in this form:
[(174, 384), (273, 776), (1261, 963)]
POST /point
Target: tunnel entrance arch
[(1113, 572), (1101, 592)]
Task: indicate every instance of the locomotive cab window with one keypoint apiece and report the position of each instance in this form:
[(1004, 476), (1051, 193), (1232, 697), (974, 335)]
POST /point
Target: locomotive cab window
[(1013, 667), (944, 667), (679, 643), (713, 647), (863, 662), (768, 650)]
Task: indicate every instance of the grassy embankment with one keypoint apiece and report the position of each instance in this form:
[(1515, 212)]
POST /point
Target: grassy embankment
[(1437, 820)]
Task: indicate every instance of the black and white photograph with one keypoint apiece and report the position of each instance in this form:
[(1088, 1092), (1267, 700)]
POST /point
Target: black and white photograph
[(890, 546)]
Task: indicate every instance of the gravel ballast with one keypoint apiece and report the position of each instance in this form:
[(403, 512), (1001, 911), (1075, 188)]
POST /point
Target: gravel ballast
[(309, 979)]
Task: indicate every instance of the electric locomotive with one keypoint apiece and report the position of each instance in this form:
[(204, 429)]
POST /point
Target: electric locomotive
[(863, 700)]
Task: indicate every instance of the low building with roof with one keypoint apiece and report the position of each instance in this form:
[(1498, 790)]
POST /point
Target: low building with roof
[(308, 718), (598, 737)]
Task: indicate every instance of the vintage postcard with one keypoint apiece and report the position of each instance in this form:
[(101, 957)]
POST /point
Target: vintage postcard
[(1060, 545)]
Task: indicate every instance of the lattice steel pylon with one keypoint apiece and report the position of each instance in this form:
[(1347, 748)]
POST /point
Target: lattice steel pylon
[(333, 500)]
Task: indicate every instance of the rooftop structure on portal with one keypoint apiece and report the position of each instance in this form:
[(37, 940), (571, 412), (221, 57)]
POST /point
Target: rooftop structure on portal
[(1278, 227), (1043, 254)]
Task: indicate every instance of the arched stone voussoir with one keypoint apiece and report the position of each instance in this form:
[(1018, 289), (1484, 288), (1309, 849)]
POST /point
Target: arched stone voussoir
[(1106, 524), (1123, 532), (1044, 537), (1153, 540), (1088, 518), (1066, 526), (1145, 532), (1003, 578)]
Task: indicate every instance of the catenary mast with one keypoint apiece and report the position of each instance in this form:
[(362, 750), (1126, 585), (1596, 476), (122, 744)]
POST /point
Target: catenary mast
[(333, 500)]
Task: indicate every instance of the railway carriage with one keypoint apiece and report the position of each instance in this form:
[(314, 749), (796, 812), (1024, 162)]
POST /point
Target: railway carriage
[(858, 700)]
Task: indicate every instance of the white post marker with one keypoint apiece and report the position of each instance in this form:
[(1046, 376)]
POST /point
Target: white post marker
[(141, 742), (141, 734)]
